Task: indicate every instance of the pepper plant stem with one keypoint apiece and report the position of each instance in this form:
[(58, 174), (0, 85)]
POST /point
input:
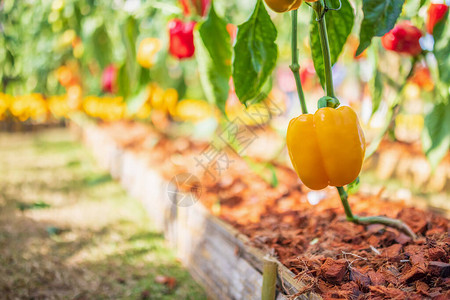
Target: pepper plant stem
[(323, 36), (344, 199), (319, 8), (397, 224), (295, 66)]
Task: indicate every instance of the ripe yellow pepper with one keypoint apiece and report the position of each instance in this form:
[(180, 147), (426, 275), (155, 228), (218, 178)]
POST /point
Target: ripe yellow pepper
[(156, 96), (5, 101), (281, 6), (170, 100), (147, 51), (193, 110), (326, 148)]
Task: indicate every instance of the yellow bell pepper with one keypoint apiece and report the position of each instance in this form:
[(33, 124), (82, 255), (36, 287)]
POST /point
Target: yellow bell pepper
[(156, 96), (58, 106), (144, 112), (5, 100), (193, 110), (326, 148), (170, 100), (147, 51), (281, 6)]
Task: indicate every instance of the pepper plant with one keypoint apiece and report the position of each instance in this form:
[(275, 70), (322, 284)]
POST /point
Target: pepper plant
[(328, 148)]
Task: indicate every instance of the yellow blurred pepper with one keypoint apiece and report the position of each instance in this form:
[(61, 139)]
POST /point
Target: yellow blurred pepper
[(281, 6), (193, 110), (4, 104), (59, 106), (170, 100), (144, 112), (326, 148), (147, 51), (156, 96)]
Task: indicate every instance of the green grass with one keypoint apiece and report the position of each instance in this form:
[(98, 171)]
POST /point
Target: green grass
[(69, 231)]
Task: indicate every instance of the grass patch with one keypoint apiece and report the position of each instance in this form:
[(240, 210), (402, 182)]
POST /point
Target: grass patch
[(87, 240)]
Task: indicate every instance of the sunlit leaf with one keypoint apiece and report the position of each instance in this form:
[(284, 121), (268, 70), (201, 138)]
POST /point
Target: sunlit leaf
[(436, 133), (213, 46), (255, 53), (441, 35), (379, 17)]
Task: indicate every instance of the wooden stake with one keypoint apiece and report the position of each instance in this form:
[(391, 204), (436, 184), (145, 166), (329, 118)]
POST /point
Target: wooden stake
[(269, 286)]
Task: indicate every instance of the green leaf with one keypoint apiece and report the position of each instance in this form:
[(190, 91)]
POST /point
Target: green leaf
[(128, 75), (255, 53), (274, 178), (436, 133), (97, 41), (135, 102), (379, 17), (213, 46), (441, 33), (266, 171), (35, 205), (339, 26), (101, 44), (376, 90), (123, 81)]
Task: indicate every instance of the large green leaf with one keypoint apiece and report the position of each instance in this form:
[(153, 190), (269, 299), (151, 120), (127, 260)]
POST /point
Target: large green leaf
[(339, 26), (255, 53), (129, 74), (379, 17), (97, 41), (123, 82), (436, 134), (441, 35), (213, 46), (376, 82)]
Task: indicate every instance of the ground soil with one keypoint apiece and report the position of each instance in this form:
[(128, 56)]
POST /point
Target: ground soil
[(307, 230), (69, 231)]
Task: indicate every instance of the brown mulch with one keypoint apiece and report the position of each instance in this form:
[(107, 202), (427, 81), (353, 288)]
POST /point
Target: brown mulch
[(339, 260)]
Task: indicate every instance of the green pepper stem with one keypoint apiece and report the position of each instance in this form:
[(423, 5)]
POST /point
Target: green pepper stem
[(344, 199), (394, 223), (323, 36), (295, 66)]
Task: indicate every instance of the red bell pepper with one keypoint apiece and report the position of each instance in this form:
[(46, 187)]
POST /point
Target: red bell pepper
[(181, 38), (403, 38), (109, 79), (436, 12)]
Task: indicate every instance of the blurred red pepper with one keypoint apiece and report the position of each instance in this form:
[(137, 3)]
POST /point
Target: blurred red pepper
[(403, 38), (436, 12), (308, 75), (109, 79), (181, 38), (186, 8), (200, 7), (422, 77)]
